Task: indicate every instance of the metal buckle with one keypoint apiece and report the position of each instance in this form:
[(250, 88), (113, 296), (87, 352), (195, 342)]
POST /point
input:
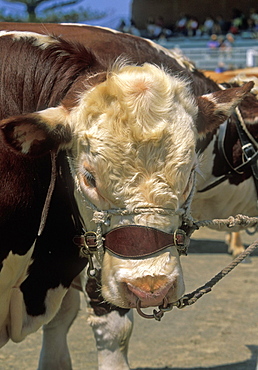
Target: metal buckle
[(88, 245), (90, 238), (181, 246), (248, 150), (179, 232)]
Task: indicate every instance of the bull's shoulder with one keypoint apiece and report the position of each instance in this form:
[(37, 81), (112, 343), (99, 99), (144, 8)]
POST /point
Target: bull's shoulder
[(47, 65)]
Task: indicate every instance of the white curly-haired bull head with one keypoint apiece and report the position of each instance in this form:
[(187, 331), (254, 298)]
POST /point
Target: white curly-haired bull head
[(132, 147), (130, 156)]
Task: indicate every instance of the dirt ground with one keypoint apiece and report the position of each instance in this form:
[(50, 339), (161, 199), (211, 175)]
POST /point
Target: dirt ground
[(219, 332)]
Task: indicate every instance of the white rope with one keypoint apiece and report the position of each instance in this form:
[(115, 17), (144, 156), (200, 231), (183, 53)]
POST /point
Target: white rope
[(243, 221)]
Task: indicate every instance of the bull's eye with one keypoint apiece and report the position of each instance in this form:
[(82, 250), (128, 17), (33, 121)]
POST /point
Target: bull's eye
[(89, 179)]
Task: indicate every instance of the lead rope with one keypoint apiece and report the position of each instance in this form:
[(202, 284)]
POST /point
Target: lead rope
[(239, 220), (191, 298), (49, 193)]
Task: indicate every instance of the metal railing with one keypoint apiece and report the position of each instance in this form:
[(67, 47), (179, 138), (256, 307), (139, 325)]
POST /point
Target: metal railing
[(209, 59)]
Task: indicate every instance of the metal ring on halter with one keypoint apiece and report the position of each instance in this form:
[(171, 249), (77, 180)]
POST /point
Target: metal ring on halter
[(157, 315)]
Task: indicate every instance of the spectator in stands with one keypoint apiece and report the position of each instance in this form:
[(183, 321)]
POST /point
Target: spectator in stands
[(159, 21), (238, 22), (213, 42), (153, 30), (208, 26), (252, 22), (226, 45), (122, 26), (251, 25), (220, 68), (253, 15), (192, 26), (181, 25), (217, 28), (224, 24), (133, 30), (156, 29)]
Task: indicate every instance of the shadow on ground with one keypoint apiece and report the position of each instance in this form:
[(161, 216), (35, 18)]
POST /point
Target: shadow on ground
[(251, 364), (211, 246)]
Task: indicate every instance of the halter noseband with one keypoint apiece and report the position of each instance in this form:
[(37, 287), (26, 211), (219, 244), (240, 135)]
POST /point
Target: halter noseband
[(129, 241), (135, 241)]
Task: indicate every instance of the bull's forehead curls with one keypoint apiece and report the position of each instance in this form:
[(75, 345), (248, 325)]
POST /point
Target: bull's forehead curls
[(137, 104), (139, 119), (143, 100)]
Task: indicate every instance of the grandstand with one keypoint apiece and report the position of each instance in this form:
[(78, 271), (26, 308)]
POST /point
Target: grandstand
[(204, 58)]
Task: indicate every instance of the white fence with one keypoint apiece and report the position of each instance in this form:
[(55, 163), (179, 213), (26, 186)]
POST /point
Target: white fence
[(252, 57)]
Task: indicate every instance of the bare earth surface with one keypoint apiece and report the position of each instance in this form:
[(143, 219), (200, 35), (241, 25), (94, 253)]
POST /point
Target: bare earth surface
[(219, 332)]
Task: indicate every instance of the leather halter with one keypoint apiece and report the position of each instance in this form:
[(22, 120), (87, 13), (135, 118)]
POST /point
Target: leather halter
[(131, 241), (134, 241)]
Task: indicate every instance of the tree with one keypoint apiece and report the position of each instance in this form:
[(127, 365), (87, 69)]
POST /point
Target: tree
[(49, 13)]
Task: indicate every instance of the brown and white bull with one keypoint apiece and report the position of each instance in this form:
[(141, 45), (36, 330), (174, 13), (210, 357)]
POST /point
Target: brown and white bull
[(138, 138)]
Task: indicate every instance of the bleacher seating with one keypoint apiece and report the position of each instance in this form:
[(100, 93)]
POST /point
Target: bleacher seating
[(196, 49)]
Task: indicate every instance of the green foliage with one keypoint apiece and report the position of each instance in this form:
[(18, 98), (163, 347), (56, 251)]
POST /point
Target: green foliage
[(74, 16), (10, 17), (61, 4), (53, 12)]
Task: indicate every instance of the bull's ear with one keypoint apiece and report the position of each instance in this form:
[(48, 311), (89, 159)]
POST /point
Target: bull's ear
[(36, 133), (216, 107)]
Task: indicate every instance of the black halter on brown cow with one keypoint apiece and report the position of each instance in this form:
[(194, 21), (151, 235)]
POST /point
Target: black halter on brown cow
[(139, 127)]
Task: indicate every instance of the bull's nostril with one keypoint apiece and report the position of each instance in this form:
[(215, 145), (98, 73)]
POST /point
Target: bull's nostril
[(149, 288), (149, 284), (147, 296)]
